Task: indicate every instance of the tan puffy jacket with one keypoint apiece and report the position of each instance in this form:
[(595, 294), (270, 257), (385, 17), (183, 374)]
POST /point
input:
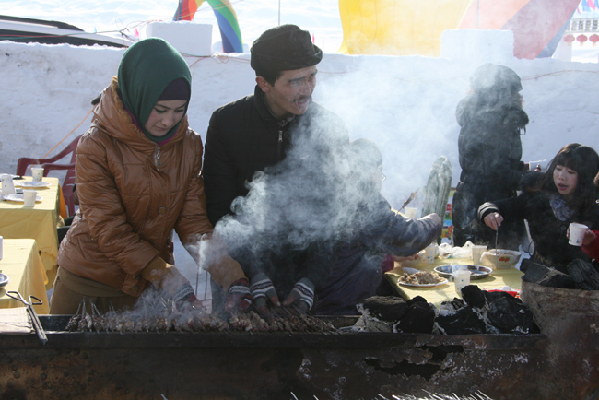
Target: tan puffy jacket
[(132, 193)]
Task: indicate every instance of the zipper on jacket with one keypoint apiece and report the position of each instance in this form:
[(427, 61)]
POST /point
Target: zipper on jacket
[(157, 157), (280, 145)]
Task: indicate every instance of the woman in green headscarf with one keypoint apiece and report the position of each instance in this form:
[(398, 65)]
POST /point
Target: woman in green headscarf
[(138, 178)]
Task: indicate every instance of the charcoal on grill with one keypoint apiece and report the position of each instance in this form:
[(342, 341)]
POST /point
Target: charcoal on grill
[(509, 315), (463, 322), (584, 275), (419, 317), (544, 275), (389, 309)]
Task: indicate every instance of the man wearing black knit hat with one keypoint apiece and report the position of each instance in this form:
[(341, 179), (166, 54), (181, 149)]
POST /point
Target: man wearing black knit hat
[(260, 139)]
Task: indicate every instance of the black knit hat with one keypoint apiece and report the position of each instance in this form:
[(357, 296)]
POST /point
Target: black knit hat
[(283, 48)]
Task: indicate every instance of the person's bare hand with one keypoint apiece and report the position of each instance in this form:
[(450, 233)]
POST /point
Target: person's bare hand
[(493, 220), (589, 236), (408, 258)]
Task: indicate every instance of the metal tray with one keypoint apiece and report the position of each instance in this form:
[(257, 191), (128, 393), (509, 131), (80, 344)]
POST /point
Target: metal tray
[(476, 271)]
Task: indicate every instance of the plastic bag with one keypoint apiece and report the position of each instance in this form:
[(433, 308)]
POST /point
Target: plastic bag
[(449, 251)]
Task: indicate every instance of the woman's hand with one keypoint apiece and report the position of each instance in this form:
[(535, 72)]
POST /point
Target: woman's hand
[(493, 220)]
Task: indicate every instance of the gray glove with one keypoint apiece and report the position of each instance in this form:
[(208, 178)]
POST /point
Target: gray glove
[(301, 296), (262, 287)]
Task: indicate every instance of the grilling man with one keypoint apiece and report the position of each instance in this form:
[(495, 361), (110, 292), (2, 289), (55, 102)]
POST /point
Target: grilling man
[(279, 151)]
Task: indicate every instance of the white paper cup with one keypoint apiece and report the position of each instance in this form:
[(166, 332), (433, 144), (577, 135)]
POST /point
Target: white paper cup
[(577, 233), (29, 197), (477, 251), (37, 174), (430, 253), (461, 277), (411, 212)]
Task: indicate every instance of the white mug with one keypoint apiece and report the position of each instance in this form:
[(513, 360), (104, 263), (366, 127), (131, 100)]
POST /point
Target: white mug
[(477, 252), (29, 197), (430, 252), (37, 174), (461, 277), (577, 233)]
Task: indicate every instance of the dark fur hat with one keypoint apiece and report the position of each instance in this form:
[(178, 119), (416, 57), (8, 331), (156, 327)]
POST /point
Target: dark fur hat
[(283, 48), (491, 76)]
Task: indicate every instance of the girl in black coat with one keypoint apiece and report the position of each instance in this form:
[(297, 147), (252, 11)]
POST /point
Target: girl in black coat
[(565, 194)]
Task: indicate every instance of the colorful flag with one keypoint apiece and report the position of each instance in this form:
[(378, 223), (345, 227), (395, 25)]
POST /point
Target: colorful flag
[(591, 4), (225, 16), (585, 5)]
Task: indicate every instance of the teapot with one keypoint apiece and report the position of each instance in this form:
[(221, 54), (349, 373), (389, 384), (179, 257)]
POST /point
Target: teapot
[(8, 187)]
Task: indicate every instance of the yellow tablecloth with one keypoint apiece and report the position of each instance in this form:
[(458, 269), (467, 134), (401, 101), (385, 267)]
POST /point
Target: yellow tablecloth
[(23, 266), (38, 222), (497, 279)]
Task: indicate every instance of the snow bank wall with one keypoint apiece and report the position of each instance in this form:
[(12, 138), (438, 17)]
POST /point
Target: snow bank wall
[(406, 104)]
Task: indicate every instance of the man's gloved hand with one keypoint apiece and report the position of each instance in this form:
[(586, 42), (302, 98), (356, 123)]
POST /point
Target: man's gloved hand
[(240, 295), (263, 288), (301, 296)]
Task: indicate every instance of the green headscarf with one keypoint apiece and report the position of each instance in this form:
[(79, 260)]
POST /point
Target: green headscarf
[(147, 68)]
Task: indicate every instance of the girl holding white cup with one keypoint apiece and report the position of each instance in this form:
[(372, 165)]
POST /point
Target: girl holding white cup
[(590, 246), (565, 193)]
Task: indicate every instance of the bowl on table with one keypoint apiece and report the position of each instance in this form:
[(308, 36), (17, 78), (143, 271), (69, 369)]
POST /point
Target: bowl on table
[(501, 258)]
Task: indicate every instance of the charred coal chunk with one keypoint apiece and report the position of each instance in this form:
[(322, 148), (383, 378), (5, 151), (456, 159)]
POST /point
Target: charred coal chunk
[(509, 315), (388, 309), (419, 317), (584, 275), (474, 296), (456, 303), (544, 275), (463, 322)]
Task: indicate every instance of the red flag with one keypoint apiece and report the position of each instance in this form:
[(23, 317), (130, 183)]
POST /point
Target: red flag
[(591, 4)]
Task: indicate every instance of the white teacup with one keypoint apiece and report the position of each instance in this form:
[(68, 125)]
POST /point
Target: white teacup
[(477, 252), (461, 277), (577, 233), (29, 197), (37, 173), (429, 253)]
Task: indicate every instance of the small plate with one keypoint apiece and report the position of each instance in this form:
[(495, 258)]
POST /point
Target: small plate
[(3, 280), (31, 184), (476, 271), (18, 198), (428, 285)]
